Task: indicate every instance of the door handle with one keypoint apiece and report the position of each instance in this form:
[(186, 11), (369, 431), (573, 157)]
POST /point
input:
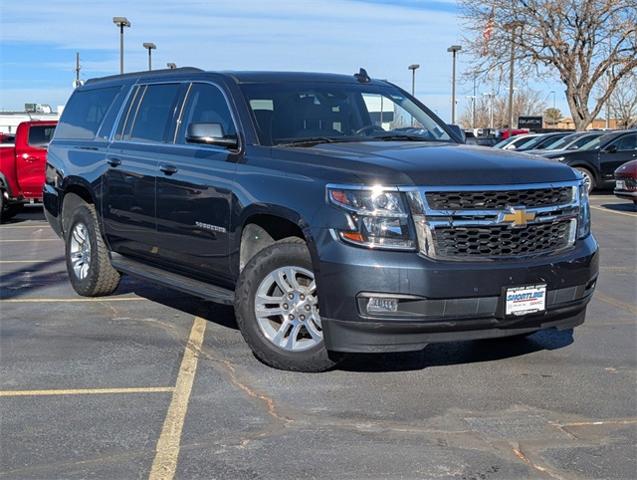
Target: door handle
[(113, 162), (168, 169), (30, 159)]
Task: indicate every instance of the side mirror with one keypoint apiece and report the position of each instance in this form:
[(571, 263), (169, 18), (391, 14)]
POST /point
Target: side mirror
[(210, 134), (458, 132), (611, 149)]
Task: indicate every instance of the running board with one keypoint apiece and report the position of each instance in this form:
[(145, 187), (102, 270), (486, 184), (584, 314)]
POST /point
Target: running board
[(172, 280)]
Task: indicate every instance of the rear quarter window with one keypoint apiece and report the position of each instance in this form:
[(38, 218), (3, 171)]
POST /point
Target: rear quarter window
[(40, 135), (84, 113)]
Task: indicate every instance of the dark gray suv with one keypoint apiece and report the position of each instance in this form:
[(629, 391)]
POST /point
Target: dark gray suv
[(336, 213)]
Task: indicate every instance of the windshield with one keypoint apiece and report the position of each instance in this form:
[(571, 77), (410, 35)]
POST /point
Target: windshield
[(299, 112), (584, 141), (591, 144), (561, 142)]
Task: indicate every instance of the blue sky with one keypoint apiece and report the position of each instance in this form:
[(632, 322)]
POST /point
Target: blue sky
[(39, 41)]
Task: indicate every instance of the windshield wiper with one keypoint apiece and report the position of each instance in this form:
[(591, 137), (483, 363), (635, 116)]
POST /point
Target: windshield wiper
[(401, 136), (307, 141)]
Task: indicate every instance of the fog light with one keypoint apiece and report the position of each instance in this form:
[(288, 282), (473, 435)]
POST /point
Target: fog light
[(382, 305)]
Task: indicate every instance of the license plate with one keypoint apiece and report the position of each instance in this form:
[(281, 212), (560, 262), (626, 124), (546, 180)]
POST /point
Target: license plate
[(620, 185), (524, 300)]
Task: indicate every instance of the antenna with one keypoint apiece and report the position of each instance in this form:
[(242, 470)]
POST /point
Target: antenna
[(362, 76)]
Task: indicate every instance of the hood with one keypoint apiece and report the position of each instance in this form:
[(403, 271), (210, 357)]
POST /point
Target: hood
[(420, 163)]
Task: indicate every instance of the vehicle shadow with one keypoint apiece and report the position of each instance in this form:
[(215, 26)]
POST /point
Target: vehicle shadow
[(29, 213), (454, 353), (620, 207)]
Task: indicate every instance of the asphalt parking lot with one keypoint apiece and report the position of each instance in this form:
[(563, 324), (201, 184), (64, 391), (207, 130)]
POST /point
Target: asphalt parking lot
[(151, 383)]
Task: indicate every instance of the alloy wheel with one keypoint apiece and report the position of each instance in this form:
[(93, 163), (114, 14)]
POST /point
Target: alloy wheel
[(286, 308), (80, 251)]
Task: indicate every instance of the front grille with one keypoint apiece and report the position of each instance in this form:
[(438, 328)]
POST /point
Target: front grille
[(501, 241), (494, 200)]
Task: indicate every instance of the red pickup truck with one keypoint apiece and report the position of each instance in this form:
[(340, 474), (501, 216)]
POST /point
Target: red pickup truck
[(22, 166)]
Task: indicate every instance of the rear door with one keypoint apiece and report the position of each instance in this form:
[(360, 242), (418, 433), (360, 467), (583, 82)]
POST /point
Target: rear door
[(128, 185), (616, 153), (31, 157), (194, 190)]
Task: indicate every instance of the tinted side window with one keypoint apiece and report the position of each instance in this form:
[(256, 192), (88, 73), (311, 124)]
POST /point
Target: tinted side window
[(40, 135), (206, 104), (627, 143), (84, 113), (155, 112)]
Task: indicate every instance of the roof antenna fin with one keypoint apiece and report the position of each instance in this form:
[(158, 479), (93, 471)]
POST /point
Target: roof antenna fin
[(362, 76)]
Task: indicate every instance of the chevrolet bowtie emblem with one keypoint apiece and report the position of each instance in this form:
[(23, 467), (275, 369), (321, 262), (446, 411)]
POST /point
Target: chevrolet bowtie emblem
[(517, 217)]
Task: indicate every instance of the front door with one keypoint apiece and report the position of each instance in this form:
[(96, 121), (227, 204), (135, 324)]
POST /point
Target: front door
[(194, 190), (31, 159), (128, 206), (615, 154)]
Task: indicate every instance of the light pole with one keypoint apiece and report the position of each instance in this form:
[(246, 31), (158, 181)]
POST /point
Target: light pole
[(150, 47), (454, 49), (491, 97), (552, 92), (512, 26), (413, 69), (121, 22)]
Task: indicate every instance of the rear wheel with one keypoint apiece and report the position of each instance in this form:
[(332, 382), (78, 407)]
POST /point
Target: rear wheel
[(589, 178), (87, 261), (277, 309), (8, 210)]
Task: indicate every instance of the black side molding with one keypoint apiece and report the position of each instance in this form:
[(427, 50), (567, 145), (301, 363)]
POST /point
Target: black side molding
[(172, 280)]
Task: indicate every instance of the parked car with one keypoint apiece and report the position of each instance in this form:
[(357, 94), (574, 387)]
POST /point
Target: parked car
[(516, 142), (22, 166), (471, 139), (574, 141), (328, 227), (599, 160), (626, 181)]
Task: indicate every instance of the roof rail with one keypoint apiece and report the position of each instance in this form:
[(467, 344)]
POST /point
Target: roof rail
[(146, 73)]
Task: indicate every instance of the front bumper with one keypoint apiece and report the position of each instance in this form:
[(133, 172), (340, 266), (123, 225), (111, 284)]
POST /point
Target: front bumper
[(629, 194), (450, 300)]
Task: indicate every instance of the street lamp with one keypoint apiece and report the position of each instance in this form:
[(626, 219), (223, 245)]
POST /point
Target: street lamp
[(171, 65), (453, 49), (150, 47), (413, 69), (121, 22)]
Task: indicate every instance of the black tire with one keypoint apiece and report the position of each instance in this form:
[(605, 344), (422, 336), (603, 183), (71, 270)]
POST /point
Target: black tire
[(101, 279), (588, 174), (288, 252)]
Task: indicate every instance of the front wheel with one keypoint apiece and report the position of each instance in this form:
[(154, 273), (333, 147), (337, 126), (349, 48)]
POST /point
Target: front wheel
[(589, 179), (277, 309)]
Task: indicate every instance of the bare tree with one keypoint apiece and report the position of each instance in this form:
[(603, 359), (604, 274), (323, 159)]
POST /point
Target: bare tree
[(586, 43), (552, 115), (623, 101), (525, 102)]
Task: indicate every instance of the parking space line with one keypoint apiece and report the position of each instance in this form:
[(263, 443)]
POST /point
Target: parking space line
[(25, 261), (73, 299), (84, 391), (168, 445), (32, 240), (613, 211), (39, 225)]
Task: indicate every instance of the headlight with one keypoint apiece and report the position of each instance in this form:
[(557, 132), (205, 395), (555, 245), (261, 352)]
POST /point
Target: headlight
[(584, 216), (378, 217)]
